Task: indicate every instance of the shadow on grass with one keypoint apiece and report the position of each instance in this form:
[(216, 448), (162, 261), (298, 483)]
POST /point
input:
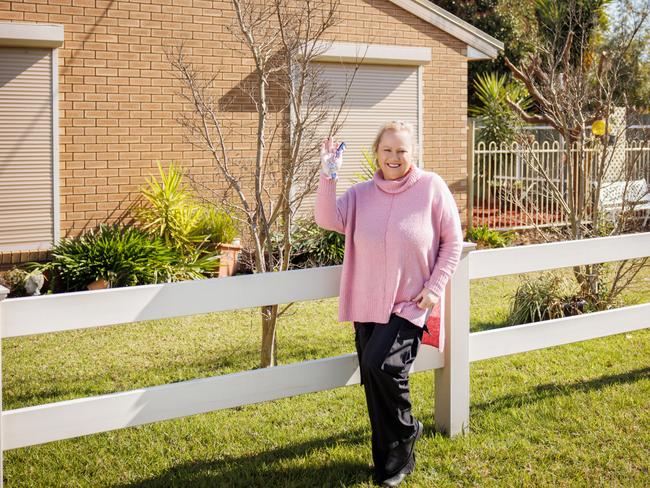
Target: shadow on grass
[(285, 467), (173, 371), (288, 467), (549, 390)]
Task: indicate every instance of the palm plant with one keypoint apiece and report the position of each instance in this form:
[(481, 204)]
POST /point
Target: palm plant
[(501, 123)]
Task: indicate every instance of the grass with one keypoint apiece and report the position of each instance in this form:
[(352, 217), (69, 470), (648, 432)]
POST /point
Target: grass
[(574, 415)]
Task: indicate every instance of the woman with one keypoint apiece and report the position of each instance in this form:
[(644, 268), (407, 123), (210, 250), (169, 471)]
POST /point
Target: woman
[(403, 242)]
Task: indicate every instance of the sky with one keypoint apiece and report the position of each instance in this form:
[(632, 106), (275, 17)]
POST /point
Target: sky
[(638, 4)]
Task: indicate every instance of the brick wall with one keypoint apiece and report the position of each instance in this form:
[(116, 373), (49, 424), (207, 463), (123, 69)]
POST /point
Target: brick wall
[(118, 96)]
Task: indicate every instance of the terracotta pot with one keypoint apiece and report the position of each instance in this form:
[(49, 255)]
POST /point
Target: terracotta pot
[(229, 257), (99, 284)]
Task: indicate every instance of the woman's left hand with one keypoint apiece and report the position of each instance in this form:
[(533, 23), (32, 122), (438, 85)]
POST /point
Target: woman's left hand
[(426, 298)]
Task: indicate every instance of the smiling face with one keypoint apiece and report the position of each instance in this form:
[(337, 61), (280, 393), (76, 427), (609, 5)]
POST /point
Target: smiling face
[(394, 153)]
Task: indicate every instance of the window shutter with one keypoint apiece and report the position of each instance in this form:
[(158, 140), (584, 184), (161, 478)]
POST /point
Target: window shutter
[(26, 180), (379, 93)]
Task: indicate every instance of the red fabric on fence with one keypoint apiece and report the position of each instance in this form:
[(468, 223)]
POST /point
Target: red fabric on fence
[(435, 335)]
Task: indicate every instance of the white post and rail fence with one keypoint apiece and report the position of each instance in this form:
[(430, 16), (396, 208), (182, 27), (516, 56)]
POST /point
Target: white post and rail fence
[(39, 424)]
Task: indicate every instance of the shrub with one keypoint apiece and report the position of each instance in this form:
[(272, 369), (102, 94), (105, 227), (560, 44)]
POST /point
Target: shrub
[(311, 246), (174, 214), (171, 213), (546, 297), (486, 237), (314, 246), (215, 226), (125, 256)]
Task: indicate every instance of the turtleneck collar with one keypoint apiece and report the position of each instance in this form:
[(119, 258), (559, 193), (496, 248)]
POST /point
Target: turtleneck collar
[(400, 184)]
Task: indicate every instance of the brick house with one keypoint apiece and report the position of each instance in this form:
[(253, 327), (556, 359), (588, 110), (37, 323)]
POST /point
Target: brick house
[(86, 96)]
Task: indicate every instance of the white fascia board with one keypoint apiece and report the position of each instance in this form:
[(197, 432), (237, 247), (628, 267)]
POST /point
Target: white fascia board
[(15, 34), (476, 55), (350, 52)]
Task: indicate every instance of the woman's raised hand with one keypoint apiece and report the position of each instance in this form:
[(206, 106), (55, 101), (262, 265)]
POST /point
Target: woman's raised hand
[(330, 164)]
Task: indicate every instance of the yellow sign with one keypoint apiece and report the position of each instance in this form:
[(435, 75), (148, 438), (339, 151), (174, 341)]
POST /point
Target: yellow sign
[(598, 127)]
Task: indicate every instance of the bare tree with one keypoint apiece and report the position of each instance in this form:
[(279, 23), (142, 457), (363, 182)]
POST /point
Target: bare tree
[(573, 85), (281, 39)]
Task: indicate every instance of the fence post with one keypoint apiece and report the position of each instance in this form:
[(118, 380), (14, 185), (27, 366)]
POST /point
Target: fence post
[(3, 294), (452, 380), (470, 173)]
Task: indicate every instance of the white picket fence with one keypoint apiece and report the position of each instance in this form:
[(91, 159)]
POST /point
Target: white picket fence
[(509, 192), (84, 416)]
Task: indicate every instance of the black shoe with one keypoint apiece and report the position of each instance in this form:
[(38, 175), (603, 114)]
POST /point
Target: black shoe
[(400, 455), (395, 480)]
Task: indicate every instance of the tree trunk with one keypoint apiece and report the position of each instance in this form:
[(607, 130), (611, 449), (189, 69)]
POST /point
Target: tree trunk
[(268, 355)]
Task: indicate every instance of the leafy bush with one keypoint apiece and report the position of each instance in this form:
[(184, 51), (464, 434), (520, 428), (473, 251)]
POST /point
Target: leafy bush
[(171, 214), (311, 246), (216, 226), (314, 246), (174, 214), (486, 237), (546, 297), (124, 256)]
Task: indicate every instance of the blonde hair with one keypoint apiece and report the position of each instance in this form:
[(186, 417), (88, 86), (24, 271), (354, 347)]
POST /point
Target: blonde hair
[(396, 126)]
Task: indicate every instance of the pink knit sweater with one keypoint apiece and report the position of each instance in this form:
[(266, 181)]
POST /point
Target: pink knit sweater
[(400, 236)]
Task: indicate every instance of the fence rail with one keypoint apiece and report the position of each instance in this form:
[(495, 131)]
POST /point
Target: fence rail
[(83, 416), (24, 316)]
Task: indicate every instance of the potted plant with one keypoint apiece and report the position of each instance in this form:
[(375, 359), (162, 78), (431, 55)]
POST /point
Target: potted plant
[(229, 257), (218, 228)]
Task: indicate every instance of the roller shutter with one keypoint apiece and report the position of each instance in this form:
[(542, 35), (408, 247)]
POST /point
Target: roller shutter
[(26, 165), (379, 93)]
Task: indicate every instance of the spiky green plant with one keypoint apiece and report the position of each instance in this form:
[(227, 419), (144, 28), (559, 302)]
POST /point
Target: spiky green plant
[(172, 212), (547, 296), (216, 226), (122, 255), (501, 123)]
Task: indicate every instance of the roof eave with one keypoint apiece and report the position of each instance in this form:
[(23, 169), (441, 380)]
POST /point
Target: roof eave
[(482, 42)]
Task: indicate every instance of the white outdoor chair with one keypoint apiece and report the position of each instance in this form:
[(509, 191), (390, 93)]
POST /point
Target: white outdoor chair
[(632, 195)]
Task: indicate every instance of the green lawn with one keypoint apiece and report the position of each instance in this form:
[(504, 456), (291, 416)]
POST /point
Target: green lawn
[(575, 415)]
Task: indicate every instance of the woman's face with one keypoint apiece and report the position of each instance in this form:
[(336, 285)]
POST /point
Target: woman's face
[(394, 153)]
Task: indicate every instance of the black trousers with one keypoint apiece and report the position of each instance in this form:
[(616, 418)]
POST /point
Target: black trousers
[(386, 352)]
